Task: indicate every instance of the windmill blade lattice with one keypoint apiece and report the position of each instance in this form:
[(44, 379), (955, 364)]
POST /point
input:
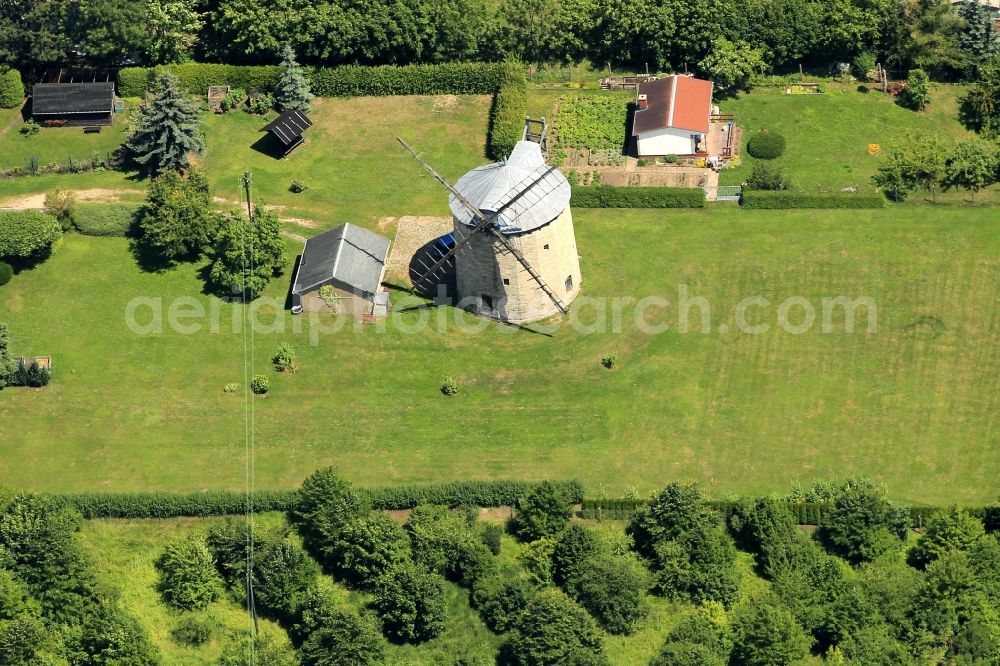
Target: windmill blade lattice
[(487, 224)]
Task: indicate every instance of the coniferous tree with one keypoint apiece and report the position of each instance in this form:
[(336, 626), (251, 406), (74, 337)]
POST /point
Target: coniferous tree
[(169, 129), (292, 91)]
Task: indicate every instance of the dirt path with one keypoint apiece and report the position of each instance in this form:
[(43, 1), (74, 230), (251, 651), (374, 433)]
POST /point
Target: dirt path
[(13, 121), (25, 201), (412, 233)]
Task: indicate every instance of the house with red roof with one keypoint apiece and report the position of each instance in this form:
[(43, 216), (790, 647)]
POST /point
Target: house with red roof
[(672, 116)]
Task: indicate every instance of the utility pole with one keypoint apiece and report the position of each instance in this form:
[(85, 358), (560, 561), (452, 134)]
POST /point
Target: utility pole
[(247, 181)]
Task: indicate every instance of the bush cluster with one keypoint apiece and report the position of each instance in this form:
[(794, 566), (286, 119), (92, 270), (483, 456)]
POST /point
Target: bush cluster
[(764, 199), (11, 88), (604, 196), (766, 145), (6, 273), (105, 219), (26, 233)]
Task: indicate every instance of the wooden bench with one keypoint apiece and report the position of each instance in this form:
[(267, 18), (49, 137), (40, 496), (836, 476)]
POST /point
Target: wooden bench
[(92, 129)]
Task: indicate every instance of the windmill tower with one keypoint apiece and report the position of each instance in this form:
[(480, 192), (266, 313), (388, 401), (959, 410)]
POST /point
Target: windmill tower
[(515, 251)]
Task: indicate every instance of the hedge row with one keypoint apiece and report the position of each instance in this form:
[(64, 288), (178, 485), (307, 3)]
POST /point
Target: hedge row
[(510, 105), (805, 513), (105, 219), (638, 197), (220, 503), (346, 81), (767, 199)]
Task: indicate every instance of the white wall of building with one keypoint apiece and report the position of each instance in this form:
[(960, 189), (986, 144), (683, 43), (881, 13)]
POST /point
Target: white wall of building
[(667, 141)]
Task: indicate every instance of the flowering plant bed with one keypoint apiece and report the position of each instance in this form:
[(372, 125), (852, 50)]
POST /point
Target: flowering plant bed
[(804, 89)]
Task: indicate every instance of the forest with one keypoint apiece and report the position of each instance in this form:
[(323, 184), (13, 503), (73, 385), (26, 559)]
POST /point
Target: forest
[(664, 35)]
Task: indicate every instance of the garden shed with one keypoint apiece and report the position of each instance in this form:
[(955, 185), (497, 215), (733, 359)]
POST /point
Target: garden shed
[(288, 128), (672, 116), (348, 259), (73, 103)]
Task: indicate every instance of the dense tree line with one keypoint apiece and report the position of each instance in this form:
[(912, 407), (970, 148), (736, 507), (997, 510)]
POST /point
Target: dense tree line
[(52, 608), (663, 34)]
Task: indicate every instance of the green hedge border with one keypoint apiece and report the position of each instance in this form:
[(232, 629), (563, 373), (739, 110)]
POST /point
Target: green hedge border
[(505, 81), (784, 199), (603, 196), (805, 513), (222, 503)]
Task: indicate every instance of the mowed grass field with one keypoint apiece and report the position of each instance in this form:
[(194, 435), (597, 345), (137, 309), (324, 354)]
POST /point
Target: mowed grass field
[(914, 404), (55, 144)]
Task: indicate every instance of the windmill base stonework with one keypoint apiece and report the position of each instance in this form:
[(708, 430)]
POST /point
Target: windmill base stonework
[(491, 282)]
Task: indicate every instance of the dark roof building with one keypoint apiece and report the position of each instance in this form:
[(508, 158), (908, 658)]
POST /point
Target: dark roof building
[(288, 128), (348, 258), (74, 103)]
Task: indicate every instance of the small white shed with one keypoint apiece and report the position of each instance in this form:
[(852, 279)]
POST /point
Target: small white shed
[(672, 116)]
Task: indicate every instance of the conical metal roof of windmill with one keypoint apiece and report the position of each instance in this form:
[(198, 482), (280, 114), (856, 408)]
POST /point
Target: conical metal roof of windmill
[(491, 186)]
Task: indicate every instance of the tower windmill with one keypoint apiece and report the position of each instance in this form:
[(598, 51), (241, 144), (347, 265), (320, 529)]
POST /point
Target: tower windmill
[(515, 251)]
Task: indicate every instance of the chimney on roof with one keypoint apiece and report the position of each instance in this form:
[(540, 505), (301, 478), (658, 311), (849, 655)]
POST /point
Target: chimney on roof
[(642, 102)]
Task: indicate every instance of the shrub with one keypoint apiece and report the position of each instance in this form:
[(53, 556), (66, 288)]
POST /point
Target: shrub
[(863, 524), (501, 600), (449, 386), (758, 199), (765, 634), (11, 88), (6, 273), (283, 575), (105, 219), (233, 99), (298, 187), (613, 590), (61, 205), (27, 233), (30, 127), (510, 105), (609, 361), (543, 512), (369, 547), (195, 77), (555, 630), (766, 145), (916, 95), (344, 638), (32, 375), (670, 159), (863, 63), (493, 538), (765, 176), (411, 602), (953, 529), (260, 103), (264, 650), (192, 631), (575, 545), (187, 575), (445, 543), (260, 384), (284, 358), (638, 197)]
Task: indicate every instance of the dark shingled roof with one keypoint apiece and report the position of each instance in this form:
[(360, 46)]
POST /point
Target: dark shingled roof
[(289, 126), (69, 98), (347, 254)]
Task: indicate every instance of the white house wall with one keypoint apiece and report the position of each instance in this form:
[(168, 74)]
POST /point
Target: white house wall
[(668, 141)]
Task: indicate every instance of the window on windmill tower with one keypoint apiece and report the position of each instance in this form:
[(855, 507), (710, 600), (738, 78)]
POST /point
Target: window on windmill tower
[(569, 283), (506, 280), (545, 247)]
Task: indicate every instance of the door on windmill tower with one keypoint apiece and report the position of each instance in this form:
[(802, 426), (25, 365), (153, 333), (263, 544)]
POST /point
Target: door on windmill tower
[(486, 303)]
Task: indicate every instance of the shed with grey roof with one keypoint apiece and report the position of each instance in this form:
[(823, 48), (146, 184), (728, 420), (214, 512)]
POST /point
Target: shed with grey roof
[(287, 129), (348, 258)]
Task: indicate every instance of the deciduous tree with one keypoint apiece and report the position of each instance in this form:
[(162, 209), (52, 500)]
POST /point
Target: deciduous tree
[(248, 254)]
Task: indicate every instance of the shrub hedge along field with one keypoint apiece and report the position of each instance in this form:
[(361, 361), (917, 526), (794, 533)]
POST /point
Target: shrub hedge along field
[(766, 145), (105, 219), (11, 88), (638, 197), (221, 503), (763, 199), (505, 81)]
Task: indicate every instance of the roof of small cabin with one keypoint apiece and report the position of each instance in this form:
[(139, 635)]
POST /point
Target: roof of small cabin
[(68, 98), (491, 186), (347, 254), (678, 102), (289, 126)]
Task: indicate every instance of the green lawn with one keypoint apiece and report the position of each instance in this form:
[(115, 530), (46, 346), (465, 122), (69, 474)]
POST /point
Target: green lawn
[(912, 405), (828, 135), (55, 144)]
